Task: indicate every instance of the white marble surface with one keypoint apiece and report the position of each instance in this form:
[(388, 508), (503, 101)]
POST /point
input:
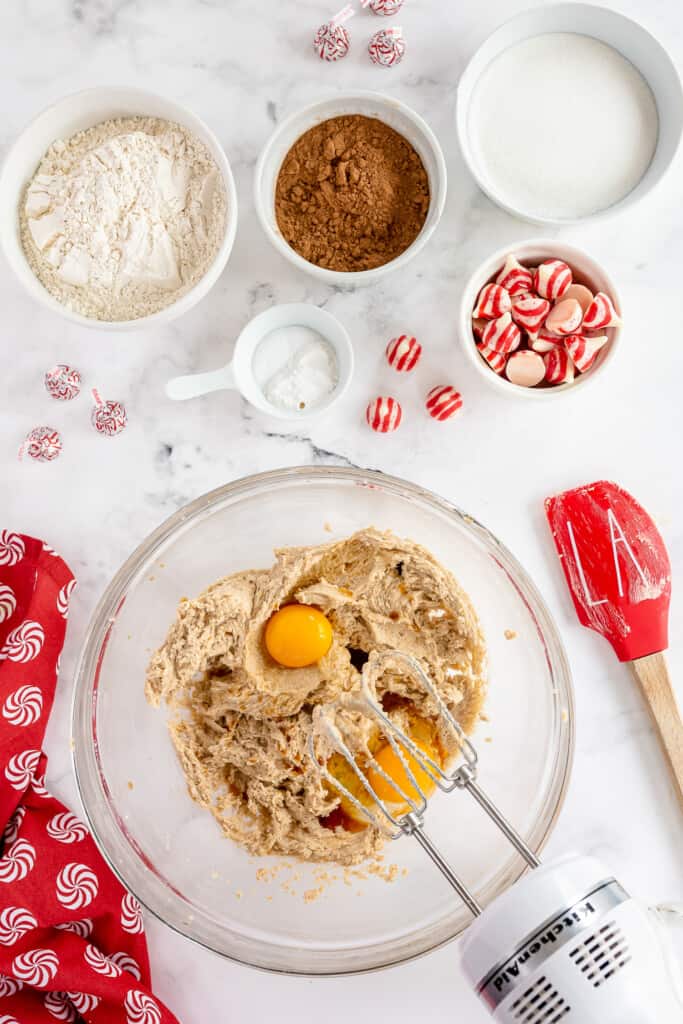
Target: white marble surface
[(243, 65)]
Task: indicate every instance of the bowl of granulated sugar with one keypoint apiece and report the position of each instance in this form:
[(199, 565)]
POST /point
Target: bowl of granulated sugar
[(569, 112), (118, 208)]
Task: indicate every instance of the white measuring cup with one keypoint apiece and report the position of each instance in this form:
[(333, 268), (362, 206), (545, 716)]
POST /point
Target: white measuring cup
[(239, 374)]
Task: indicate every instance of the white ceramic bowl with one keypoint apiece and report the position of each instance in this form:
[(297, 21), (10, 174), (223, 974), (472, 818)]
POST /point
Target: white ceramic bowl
[(72, 114), (532, 252), (622, 34), (371, 104)]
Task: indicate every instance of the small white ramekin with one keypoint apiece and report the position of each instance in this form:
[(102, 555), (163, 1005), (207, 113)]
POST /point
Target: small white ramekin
[(622, 34), (370, 104), (531, 253), (75, 113)]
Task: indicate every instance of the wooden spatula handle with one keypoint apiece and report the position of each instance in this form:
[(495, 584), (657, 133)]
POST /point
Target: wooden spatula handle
[(653, 676)]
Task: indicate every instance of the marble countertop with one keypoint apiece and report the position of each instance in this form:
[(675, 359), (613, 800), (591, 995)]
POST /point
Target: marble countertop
[(242, 66)]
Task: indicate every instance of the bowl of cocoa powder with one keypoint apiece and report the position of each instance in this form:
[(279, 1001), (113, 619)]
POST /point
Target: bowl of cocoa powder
[(351, 187)]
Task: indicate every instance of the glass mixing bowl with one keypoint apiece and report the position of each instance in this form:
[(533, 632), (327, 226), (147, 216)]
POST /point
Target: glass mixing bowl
[(171, 854)]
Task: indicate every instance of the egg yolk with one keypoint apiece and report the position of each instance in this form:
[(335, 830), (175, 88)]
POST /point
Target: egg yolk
[(390, 762), (298, 635)]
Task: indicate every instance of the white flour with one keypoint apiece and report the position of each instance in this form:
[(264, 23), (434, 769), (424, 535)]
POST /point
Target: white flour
[(122, 219), (296, 368), (562, 125)]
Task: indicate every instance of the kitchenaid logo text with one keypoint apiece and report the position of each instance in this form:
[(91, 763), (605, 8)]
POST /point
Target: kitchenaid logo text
[(575, 919), (563, 927)]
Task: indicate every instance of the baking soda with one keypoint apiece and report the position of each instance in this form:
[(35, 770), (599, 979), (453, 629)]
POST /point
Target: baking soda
[(296, 368), (562, 126)]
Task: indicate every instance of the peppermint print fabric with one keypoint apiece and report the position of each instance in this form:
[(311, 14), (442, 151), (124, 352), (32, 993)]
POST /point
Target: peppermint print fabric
[(72, 944)]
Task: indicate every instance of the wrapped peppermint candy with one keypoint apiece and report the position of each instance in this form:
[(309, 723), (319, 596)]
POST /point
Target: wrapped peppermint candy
[(387, 7), (42, 443), (387, 47), (63, 382), (332, 39), (108, 418)]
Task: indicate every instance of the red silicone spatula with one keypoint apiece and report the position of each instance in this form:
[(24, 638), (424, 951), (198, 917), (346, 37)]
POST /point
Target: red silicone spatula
[(619, 576)]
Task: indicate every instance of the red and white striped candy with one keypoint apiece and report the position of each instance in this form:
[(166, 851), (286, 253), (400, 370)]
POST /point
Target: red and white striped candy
[(496, 360), (583, 295), (514, 277), (502, 334), (387, 47), (565, 317), (384, 415), (583, 349), (544, 341), (42, 443), (403, 353), (552, 279), (600, 314), (493, 301), (443, 402), (525, 368), (530, 311), (332, 40), (478, 327), (559, 369)]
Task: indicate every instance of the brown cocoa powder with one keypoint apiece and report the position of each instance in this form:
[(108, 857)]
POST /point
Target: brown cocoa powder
[(352, 194)]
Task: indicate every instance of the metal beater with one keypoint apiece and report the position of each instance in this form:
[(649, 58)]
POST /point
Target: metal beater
[(464, 776)]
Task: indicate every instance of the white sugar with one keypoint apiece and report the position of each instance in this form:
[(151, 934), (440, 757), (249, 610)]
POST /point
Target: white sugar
[(562, 125)]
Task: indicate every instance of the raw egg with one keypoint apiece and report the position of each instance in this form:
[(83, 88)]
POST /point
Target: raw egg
[(298, 635)]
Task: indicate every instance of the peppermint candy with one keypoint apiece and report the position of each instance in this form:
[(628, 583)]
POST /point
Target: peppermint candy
[(386, 7), (42, 443), (443, 402), (15, 922), (24, 643), (332, 40), (63, 382), (64, 596), (20, 769), (141, 1008), (496, 360), (582, 350), (131, 915), (59, 1006), (403, 353), (126, 963), (95, 959), (600, 314), (12, 827), (559, 369), (583, 295), (526, 369), (37, 967), (552, 279), (478, 327), (81, 928), (502, 334), (24, 706), (387, 47), (515, 278), (529, 311), (493, 301), (8, 602), (108, 418), (18, 861), (77, 886), (66, 828), (7, 1018), (564, 318), (12, 548), (9, 986), (384, 415), (544, 341)]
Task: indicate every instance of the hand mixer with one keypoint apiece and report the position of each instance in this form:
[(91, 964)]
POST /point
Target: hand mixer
[(566, 942)]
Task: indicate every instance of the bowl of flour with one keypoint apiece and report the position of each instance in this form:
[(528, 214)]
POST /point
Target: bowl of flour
[(118, 208), (569, 112)]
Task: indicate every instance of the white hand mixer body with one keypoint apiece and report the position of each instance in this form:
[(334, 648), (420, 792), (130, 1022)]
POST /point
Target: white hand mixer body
[(566, 942)]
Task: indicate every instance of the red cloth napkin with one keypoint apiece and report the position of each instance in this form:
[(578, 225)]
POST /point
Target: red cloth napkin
[(72, 943)]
